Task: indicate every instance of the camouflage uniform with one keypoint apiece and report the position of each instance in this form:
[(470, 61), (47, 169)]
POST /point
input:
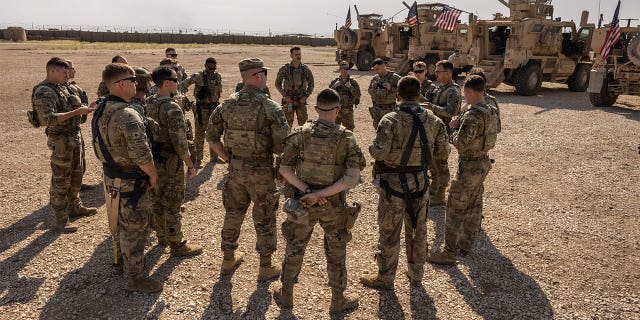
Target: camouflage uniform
[(170, 147), (123, 138), (253, 127), (295, 83), (102, 89), (349, 97), (75, 89), (205, 104), (321, 153), (445, 100), (387, 148), (383, 100), (66, 145), (240, 85), (425, 90), (479, 126)]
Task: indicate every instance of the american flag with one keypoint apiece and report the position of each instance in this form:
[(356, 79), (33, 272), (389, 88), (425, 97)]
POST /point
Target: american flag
[(612, 35), (448, 18), (412, 17), (347, 23)]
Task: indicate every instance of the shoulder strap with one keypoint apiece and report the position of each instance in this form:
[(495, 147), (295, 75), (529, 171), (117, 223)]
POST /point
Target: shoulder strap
[(416, 128), (97, 136)]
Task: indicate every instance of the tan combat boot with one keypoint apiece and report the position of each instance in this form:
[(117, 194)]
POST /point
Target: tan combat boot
[(267, 270), (284, 295), (144, 284), (341, 302), (376, 281), (82, 211), (231, 261), (183, 249), (442, 257), (62, 224), (413, 279)]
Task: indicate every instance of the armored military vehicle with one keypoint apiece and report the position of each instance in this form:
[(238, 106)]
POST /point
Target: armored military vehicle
[(360, 46), (620, 74), (426, 42), (531, 46)]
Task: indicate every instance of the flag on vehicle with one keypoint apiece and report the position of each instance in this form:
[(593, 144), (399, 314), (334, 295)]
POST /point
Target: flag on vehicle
[(412, 17), (448, 18), (347, 23), (612, 35)]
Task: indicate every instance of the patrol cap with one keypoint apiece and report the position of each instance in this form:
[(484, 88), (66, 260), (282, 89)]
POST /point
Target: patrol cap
[(344, 64), (142, 73), (251, 63)]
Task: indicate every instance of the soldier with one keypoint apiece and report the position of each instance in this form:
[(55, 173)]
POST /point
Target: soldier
[(349, 92), (208, 87), (406, 141), (295, 84), (488, 99), (382, 90), (475, 134), (73, 86), (171, 148), (182, 73), (444, 100), (143, 85), (62, 113), (253, 127), (121, 144), (420, 72), (102, 87), (321, 160)]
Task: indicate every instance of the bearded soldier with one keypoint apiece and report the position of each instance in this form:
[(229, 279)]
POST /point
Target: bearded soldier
[(383, 89), (295, 83), (321, 160), (349, 92)]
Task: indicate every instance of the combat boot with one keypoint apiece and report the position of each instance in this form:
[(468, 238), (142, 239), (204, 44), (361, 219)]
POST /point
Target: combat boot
[(183, 249), (442, 257), (376, 281), (267, 270), (144, 284), (413, 279), (82, 211), (62, 224), (341, 302), (284, 295), (231, 261)]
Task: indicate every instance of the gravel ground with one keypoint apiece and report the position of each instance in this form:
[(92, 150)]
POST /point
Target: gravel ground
[(560, 239)]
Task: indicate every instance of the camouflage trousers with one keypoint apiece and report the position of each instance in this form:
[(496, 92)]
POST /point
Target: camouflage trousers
[(250, 182), (345, 117), (440, 176), (336, 238), (300, 110), (391, 216), (133, 224), (168, 196), (67, 168), (378, 111), (201, 116), (464, 207)]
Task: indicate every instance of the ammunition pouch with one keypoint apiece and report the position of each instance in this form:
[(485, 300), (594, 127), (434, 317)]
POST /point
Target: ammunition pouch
[(350, 215), (32, 115)]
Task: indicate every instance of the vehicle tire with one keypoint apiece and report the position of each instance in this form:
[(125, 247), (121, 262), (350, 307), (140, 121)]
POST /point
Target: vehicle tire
[(365, 60), (348, 39), (528, 80), (604, 98), (579, 80), (431, 67)]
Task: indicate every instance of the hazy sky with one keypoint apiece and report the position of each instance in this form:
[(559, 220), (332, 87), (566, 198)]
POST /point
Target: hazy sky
[(253, 16)]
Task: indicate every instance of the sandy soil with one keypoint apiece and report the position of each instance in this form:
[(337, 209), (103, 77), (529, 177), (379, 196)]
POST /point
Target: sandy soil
[(560, 239)]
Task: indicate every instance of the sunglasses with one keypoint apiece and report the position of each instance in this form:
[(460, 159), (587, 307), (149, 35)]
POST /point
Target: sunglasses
[(132, 79), (441, 71), (173, 55), (418, 71), (173, 79), (261, 71)]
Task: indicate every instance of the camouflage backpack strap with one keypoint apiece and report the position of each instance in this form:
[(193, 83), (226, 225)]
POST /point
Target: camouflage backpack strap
[(98, 139)]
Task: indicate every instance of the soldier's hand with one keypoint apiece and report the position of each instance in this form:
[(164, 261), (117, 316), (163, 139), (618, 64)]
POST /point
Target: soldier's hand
[(303, 100), (288, 100), (191, 172), (336, 85), (85, 110), (454, 123), (426, 105), (387, 86), (348, 85), (152, 181), (310, 199)]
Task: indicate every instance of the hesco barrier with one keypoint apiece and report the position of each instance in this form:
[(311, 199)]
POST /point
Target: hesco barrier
[(92, 36)]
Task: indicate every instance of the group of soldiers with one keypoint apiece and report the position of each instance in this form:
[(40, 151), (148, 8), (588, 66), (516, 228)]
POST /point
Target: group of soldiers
[(141, 136)]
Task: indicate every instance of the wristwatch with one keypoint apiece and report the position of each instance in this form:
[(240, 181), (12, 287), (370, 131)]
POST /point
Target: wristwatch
[(308, 190)]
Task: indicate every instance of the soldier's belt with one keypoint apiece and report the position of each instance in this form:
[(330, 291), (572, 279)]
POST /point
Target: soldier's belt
[(125, 172), (253, 158), (468, 158), (66, 133)]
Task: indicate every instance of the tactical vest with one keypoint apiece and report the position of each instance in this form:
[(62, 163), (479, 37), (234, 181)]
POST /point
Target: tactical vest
[(346, 97), (439, 98), (156, 107), (243, 135), (492, 126), (66, 102), (319, 164), (295, 81), (210, 88), (381, 94)]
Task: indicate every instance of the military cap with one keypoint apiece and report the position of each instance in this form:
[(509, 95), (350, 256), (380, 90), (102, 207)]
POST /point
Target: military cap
[(251, 63), (142, 73), (344, 63)]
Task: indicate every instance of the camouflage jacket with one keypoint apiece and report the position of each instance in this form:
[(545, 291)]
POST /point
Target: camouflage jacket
[(240, 85), (74, 88), (349, 96), (48, 100), (425, 90), (445, 100), (393, 134), (214, 81), (379, 94), (102, 89), (322, 153), (171, 135), (477, 132), (253, 125), (295, 82), (123, 131)]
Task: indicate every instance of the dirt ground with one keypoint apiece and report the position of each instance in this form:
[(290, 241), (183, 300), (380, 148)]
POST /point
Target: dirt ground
[(560, 239)]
